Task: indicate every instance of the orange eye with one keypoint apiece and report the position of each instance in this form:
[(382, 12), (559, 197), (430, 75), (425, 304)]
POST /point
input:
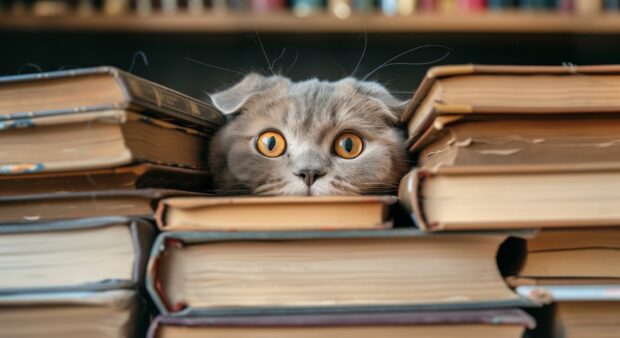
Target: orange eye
[(348, 145), (271, 144)]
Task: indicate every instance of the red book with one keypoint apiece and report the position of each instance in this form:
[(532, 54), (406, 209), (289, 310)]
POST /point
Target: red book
[(267, 5), (428, 5), (472, 5)]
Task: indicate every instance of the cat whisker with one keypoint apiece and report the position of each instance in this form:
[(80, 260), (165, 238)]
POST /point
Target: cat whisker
[(270, 186), (359, 62), (214, 66), (260, 42), (389, 62)]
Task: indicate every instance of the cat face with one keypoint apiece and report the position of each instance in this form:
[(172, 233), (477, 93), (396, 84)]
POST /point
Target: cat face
[(307, 138)]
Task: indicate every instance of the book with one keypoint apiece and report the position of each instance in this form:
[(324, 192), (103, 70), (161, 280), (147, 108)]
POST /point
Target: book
[(307, 7), (275, 213), (201, 273), (70, 205), (460, 93), (500, 4), (80, 255), (113, 313), (588, 7), (429, 5), (340, 8), (472, 5), (570, 256), (580, 310), (267, 5), (483, 198), (140, 176), (611, 5), (101, 139), (100, 88), (488, 323), (518, 142)]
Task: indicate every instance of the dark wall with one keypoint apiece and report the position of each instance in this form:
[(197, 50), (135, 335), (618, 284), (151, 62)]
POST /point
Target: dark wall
[(327, 56)]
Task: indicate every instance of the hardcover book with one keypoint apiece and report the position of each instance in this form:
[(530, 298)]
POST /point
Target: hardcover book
[(466, 93), (431, 324), (81, 255), (140, 176), (70, 205), (72, 314), (274, 213), (202, 273), (512, 197)]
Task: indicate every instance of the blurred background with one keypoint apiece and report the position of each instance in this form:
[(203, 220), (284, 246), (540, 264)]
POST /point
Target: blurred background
[(198, 46)]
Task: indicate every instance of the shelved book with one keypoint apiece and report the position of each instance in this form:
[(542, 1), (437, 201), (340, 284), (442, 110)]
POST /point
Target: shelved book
[(99, 118), (581, 311), (202, 273), (432, 324), (73, 205), (488, 197), (73, 314), (275, 213), (483, 102)]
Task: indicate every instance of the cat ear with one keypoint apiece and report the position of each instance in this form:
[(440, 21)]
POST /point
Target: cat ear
[(232, 99), (378, 92)]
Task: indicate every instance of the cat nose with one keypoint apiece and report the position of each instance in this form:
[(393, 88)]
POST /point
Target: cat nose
[(309, 175)]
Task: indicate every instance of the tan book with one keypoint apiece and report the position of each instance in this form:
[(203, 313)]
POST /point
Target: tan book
[(103, 314), (587, 319), (98, 118), (450, 94), (132, 177), (494, 197), (523, 142), (192, 273), (101, 139), (274, 213), (431, 324), (71, 205), (570, 256)]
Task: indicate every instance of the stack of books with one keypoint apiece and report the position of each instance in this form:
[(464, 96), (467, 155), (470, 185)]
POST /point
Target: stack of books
[(84, 157), (321, 266), (503, 148)]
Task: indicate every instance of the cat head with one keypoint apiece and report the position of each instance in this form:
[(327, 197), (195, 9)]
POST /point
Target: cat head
[(307, 138)]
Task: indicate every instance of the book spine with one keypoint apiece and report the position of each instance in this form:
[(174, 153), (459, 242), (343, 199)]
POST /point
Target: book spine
[(115, 7), (533, 4), (195, 7), (389, 7), (340, 8), (471, 5), (144, 7), (307, 7), (612, 5), (169, 6), (407, 7), (588, 7), (428, 5), (447, 6), (566, 6), (267, 5), (363, 6), (499, 4), (219, 6)]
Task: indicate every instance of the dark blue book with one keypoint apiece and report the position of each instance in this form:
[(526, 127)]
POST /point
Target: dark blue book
[(500, 4)]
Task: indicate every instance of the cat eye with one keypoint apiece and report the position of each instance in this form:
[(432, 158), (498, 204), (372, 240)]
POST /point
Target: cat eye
[(271, 144), (348, 145)]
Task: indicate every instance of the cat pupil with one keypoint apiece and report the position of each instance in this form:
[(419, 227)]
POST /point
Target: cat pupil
[(348, 144), (270, 143)]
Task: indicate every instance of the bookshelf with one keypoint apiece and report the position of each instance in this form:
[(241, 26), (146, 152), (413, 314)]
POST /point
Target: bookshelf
[(285, 22)]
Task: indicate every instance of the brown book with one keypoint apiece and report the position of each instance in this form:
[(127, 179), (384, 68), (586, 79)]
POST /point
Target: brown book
[(138, 176), (463, 93), (274, 213), (98, 118), (99, 139), (523, 142), (197, 273), (429, 324), (492, 197), (587, 319), (93, 314), (570, 256), (56, 206)]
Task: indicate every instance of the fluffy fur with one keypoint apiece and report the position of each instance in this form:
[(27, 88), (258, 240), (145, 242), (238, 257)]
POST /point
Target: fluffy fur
[(309, 114)]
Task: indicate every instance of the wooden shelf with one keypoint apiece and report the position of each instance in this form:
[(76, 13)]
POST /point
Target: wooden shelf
[(323, 23)]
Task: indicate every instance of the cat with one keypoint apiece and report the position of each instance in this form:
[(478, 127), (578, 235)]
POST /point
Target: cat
[(307, 138)]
